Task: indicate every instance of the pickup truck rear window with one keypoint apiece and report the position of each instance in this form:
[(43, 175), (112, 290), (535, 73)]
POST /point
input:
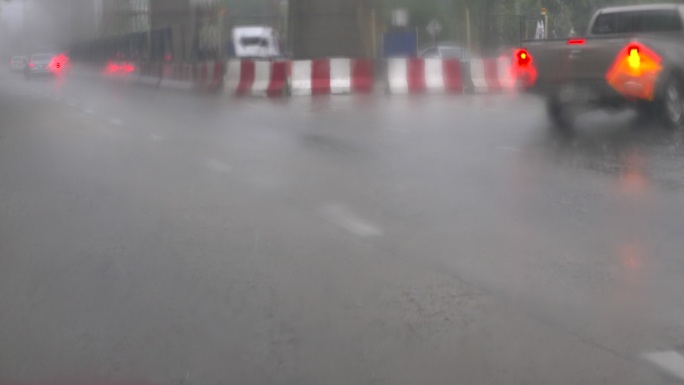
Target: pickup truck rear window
[(637, 21)]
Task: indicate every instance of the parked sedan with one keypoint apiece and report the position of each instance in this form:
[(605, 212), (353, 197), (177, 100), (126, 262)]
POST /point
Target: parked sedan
[(17, 63), (445, 51), (39, 64)]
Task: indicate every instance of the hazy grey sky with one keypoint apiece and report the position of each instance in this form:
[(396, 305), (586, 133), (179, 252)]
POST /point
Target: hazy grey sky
[(11, 14)]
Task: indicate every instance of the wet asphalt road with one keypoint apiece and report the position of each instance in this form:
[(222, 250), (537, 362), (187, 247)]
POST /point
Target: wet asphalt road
[(179, 238)]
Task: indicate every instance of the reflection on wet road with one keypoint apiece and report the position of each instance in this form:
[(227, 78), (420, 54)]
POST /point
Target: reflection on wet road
[(174, 237)]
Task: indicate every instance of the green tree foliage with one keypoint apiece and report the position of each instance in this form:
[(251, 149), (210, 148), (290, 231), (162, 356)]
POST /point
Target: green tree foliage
[(500, 23)]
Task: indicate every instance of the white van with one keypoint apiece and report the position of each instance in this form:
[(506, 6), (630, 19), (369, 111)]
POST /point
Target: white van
[(255, 42)]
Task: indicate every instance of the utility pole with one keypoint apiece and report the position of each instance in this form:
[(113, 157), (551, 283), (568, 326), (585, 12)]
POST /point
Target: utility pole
[(546, 26), (467, 15), (222, 11), (374, 34)]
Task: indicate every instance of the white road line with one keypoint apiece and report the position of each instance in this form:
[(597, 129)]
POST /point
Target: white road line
[(88, 111), (344, 218), (156, 137), (116, 122), (670, 361), (218, 166)]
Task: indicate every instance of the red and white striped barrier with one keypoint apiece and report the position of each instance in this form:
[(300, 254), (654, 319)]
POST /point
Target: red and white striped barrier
[(492, 74), (95, 70), (417, 75), (322, 76), (119, 68), (205, 75), (331, 76), (258, 78), (210, 74)]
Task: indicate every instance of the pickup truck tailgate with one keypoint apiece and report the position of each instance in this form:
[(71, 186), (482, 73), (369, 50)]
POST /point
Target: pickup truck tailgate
[(592, 60), (586, 60)]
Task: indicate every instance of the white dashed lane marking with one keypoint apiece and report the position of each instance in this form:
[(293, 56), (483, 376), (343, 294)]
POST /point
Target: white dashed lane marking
[(156, 137), (670, 362), (347, 220), (116, 122)]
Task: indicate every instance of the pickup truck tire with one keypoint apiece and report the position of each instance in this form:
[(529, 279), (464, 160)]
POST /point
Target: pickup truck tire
[(558, 113), (647, 113), (671, 104)]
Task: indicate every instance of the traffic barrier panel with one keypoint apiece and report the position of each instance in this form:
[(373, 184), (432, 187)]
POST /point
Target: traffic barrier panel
[(171, 77), (301, 77), (205, 75), (453, 75), (397, 81), (320, 77), (506, 78), (491, 74), (362, 75), (340, 72), (331, 76), (491, 69), (210, 75), (311, 77), (258, 78), (417, 75)]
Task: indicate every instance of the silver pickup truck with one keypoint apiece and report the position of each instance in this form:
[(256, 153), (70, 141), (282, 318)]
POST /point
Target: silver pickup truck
[(630, 56)]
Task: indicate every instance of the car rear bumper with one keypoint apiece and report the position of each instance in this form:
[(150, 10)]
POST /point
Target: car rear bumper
[(39, 72)]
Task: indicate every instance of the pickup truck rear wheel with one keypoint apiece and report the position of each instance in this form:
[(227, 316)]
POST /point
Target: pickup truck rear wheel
[(558, 113), (672, 104)]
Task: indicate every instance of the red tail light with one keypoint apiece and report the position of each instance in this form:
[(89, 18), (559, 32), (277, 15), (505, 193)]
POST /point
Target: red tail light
[(116, 68), (635, 71), (31, 65), (523, 69), (523, 57), (58, 63), (111, 68), (577, 41), (128, 68)]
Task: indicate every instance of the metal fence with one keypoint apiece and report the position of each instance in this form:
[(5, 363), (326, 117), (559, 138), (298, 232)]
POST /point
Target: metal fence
[(499, 32)]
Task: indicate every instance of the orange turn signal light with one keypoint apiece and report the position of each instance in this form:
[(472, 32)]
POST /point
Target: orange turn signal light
[(635, 71)]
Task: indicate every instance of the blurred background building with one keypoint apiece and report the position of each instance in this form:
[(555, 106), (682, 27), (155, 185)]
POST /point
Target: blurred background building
[(190, 30), (120, 17)]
